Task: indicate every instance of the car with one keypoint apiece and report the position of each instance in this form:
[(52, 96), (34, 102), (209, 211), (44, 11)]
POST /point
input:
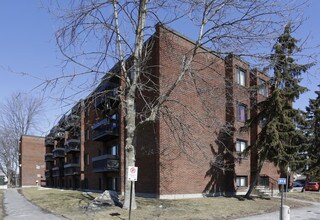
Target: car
[(312, 186), (298, 184)]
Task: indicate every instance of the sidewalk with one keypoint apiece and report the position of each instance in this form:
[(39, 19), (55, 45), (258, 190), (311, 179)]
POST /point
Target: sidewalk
[(17, 207), (310, 212)]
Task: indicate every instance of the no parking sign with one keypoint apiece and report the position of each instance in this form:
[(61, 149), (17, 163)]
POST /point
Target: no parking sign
[(132, 173), (132, 176)]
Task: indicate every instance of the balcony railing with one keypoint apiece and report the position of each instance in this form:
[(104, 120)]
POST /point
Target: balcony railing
[(72, 145), (59, 135), (49, 166), (48, 157), (49, 141), (71, 169), (57, 171), (48, 173), (105, 163), (104, 130), (58, 152), (107, 99), (72, 121)]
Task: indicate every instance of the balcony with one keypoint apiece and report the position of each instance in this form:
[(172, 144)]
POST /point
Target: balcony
[(62, 121), (57, 171), (48, 157), (58, 152), (49, 166), (105, 163), (105, 130), (72, 169), (106, 100), (49, 141), (72, 121), (48, 173), (72, 145), (57, 132), (59, 135)]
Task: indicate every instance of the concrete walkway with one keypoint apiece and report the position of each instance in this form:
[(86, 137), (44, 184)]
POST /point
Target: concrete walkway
[(17, 207), (309, 212)]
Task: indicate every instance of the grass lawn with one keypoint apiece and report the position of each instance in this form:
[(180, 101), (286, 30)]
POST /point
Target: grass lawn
[(307, 195), (73, 205)]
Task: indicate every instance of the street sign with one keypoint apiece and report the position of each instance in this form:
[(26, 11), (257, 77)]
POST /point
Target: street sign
[(132, 173), (282, 181), (132, 176)]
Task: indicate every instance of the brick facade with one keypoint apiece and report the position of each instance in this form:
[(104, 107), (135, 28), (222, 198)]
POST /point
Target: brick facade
[(194, 147), (31, 159)]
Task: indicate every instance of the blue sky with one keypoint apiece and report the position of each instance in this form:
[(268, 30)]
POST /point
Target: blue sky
[(27, 45)]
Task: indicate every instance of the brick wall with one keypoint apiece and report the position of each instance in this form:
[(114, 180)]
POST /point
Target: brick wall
[(32, 150), (189, 131), (191, 149)]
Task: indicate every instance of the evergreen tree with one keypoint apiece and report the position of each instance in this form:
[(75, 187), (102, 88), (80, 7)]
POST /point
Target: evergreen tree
[(279, 139), (313, 135)]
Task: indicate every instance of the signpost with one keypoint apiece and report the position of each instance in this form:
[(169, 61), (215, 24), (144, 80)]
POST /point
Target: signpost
[(132, 176), (282, 182)]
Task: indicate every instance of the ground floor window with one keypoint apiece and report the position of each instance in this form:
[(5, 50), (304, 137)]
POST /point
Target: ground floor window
[(264, 181), (241, 181), (113, 183), (100, 183)]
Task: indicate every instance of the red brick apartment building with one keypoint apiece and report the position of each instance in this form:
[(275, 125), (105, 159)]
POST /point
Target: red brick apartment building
[(31, 161), (86, 148)]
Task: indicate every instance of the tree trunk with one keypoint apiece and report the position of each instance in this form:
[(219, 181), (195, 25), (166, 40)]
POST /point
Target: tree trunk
[(255, 179), (130, 104), (130, 152)]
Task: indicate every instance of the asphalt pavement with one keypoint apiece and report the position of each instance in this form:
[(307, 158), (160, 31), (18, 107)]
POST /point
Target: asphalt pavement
[(17, 207)]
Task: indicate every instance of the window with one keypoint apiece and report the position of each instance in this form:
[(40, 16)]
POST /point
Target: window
[(86, 159), (241, 112), (87, 134), (130, 73), (115, 116), (262, 121), (241, 181), (264, 181), (77, 160), (100, 183), (263, 87), (86, 183), (112, 183), (86, 112), (113, 150), (241, 145), (114, 92), (241, 77)]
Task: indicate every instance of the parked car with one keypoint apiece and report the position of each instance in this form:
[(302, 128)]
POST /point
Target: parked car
[(298, 184), (312, 186)]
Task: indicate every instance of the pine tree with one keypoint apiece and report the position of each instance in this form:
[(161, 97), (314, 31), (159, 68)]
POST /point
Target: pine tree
[(313, 135), (279, 139)]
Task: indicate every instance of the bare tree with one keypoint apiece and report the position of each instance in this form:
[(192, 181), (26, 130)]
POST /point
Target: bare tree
[(98, 34), (19, 115)]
